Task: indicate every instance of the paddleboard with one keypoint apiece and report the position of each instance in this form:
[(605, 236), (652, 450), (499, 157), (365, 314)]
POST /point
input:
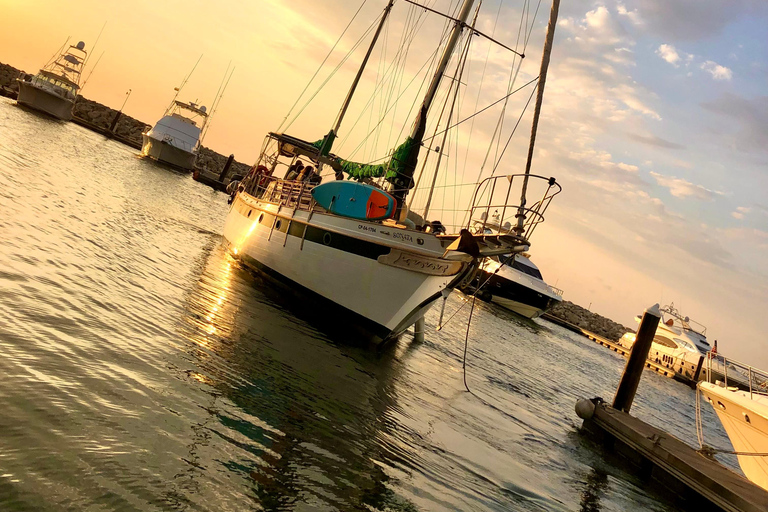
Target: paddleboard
[(354, 200)]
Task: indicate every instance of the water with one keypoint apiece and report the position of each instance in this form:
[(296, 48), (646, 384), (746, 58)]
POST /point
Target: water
[(143, 369)]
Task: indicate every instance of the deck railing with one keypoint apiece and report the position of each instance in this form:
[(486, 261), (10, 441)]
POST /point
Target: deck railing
[(756, 379)]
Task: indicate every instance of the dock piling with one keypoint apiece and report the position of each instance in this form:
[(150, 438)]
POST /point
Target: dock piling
[(633, 370), (226, 167)]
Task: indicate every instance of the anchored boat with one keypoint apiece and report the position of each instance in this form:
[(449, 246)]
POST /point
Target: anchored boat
[(54, 89), (743, 411), (176, 137), (355, 247)]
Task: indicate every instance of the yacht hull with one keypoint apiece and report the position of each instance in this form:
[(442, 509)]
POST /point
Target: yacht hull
[(347, 263), (44, 101), (746, 422), (517, 297), (167, 153)]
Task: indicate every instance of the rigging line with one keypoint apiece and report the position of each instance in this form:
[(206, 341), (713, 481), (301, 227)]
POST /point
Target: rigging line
[(430, 60), (58, 53), (330, 52), (217, 100), (514, 129), (332, 74), (91, 73), (489, 106)]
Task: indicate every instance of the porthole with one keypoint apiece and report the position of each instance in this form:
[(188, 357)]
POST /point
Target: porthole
[(249, 213), (327, 238), (722, 406), (746, 417), (278, 223), (261, 217)]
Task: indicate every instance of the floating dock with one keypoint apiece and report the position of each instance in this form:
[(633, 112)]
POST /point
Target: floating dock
[(664, 458), (665, 369)]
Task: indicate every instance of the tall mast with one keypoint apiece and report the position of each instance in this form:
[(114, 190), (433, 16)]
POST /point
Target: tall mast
[(539, 97), (328, 141), (403, 182)]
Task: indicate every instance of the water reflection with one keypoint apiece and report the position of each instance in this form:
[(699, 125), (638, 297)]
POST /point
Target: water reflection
[(308, 414), (594, 489)]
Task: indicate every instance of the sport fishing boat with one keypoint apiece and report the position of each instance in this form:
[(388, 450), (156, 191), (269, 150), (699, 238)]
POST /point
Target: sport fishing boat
[(53, 90), (743, 413), (175, 139), (679, 343), (352, 245)]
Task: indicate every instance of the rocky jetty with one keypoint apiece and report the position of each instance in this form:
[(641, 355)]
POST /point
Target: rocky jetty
[(8, 85), (212, 163), (592, 322), (100, 117)]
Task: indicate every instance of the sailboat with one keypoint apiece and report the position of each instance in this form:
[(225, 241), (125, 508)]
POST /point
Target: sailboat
[(54, 89), (352, 245)]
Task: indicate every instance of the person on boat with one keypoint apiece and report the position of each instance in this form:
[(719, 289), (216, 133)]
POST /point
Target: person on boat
[(305, 173), (315, 178), (294, 170)]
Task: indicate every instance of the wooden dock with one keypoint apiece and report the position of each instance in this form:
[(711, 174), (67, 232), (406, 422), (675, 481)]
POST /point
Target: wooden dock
[(103, 131), (662, 369), (676, 465)]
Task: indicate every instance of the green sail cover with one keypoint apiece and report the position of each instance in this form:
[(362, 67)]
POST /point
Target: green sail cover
[(392, 169)]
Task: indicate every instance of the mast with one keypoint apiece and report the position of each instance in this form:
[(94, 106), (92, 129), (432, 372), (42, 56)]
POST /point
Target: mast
[(539, 97), (459, 73), (403, 181), (328, 140)]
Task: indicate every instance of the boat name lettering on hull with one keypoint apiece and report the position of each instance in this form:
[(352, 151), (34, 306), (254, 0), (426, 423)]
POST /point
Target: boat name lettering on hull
[(421, 264)]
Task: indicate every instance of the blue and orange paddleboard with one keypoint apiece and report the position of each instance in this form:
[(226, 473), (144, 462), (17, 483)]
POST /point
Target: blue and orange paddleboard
[(354, 200)]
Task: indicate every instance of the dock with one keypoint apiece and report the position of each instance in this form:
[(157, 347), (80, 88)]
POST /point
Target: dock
[(701, 481), (672, 370), (676, 465), (104, 131)]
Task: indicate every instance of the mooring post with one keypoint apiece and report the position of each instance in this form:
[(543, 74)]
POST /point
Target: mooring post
[(418, 330), (625, 393), (114, 122), (226, 167)]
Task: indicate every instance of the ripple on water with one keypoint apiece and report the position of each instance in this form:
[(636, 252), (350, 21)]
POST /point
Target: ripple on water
[(144, 369)]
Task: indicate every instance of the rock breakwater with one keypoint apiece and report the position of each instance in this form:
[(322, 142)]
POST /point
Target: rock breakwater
[(589, 321)]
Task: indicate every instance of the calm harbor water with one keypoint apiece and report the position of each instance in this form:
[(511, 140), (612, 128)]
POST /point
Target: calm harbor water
[(142, 369)]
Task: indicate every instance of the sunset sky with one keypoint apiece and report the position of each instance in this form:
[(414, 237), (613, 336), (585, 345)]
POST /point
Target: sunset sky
[(655, 122)]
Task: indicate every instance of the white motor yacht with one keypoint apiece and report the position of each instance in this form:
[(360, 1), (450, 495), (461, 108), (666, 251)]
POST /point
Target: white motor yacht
[(53, 90), (175, 139), (744, 415), (679, 343), (515, 283)]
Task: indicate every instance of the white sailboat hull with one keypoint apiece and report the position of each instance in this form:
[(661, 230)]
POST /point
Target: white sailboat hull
[(745, 421), (339, 260), (167, 153), (45, 101)]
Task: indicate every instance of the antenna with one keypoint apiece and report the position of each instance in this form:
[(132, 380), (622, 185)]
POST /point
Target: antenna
[(91, 73), (217, 99), (94, 47), (184, 82)]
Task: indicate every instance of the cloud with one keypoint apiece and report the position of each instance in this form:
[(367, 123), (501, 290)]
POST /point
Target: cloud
[(717, 71), (740, 212), (669, 54), (682, 189), (750, 115), (653, 140), (694, 20)]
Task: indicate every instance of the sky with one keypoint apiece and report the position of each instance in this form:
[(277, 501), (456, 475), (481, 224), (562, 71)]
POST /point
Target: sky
[(655, 121)]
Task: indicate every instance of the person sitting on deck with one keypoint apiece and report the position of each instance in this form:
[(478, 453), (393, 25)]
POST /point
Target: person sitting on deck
[(315, 178), (305, 173), (294, 170)]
